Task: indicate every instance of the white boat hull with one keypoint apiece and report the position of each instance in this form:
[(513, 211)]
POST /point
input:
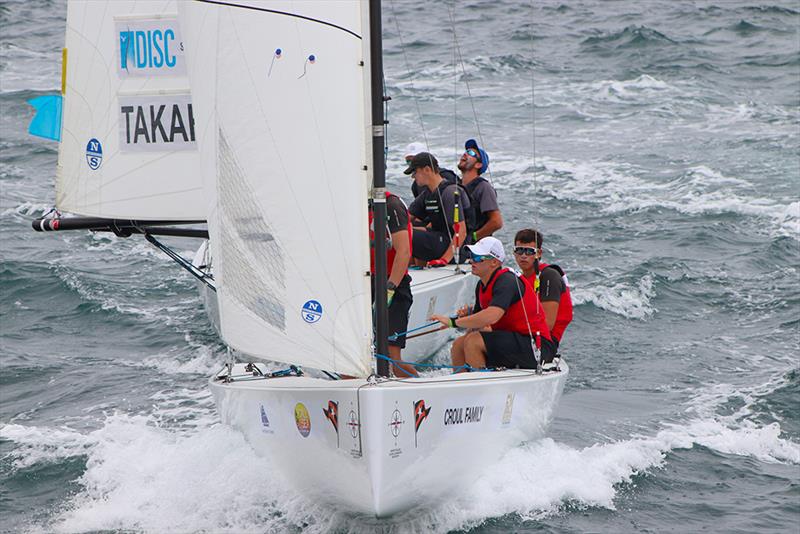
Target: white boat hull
[(392, 445), (438, 291)]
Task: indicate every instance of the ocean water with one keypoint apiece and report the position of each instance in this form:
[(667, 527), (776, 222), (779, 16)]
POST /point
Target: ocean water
[(657, 146)]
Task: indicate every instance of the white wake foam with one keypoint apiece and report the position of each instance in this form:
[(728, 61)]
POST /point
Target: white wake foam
[(140, 476), (620, 298), (621, 188)]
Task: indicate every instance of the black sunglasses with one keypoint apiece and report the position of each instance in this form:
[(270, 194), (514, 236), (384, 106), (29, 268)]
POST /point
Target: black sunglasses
[(525, 251)]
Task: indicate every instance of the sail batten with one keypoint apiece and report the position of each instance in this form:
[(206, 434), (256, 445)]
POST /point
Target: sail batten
[(280, 107)]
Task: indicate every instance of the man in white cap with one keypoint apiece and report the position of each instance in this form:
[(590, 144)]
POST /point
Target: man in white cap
[(506, 320)]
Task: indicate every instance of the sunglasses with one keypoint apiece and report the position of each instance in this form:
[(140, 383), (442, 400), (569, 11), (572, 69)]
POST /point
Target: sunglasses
[(477, 258), (525, 251), (472, 153)]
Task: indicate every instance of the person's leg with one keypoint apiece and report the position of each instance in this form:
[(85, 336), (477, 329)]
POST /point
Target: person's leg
[(398, 322), (427, 245), (475, 350), (410, 370), (457, 351), (549, 350)]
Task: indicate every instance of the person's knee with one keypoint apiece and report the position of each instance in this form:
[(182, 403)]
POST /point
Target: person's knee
[(472, 341)]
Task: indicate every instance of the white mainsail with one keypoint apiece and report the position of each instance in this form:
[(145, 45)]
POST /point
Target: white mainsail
[(128, 143), (282, 130)]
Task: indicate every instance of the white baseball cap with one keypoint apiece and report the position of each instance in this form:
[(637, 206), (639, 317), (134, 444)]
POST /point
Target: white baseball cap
[(415, 148), (489, 246)]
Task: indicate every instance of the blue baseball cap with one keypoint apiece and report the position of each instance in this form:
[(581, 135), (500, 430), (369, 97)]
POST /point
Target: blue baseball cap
[(471, 143)]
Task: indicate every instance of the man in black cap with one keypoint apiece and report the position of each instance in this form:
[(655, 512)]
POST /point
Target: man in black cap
[(436, 208), (415, 148)]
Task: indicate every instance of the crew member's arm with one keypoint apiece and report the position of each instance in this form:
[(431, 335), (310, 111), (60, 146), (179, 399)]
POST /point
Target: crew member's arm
[(505, 294), (550, 295), (486, 197), (476, 321), (397, 222), (417, 212), (493, 224), (402, 248)]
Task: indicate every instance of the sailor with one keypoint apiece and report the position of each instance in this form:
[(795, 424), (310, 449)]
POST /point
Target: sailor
[(436, 234), (549, 281), (398, 288), (415, 148), (485, 212), (506, 320)]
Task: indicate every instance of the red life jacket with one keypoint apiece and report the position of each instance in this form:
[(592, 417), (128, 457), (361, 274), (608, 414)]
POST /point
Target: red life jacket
[(390, 252), (522, 320), (564, 314)]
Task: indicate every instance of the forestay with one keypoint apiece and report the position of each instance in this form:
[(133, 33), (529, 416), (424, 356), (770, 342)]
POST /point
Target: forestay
[(128, 142), (282, 132)]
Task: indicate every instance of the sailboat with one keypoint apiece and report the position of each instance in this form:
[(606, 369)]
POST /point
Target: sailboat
[(128, 155), (264, 121), (290, 131)]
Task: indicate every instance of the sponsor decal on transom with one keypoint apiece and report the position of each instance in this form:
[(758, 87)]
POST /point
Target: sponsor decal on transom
[(332, 415), (302, 419), (265, 426), (458, 416), (420, 414), (395, 426), (508, 409)]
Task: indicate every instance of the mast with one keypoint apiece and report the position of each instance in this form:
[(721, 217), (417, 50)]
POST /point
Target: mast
[(378, 185)]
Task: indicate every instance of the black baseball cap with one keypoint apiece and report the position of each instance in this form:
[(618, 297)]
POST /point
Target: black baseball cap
[(423, 159)]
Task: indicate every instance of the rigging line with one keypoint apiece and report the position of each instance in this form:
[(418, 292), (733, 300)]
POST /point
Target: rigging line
[(466, 83), (455, 102), (276, 12), (533, 121), (408, 72)]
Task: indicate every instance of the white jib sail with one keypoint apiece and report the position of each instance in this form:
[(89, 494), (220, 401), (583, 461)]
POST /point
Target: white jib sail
[(128, 144), (282, 131)]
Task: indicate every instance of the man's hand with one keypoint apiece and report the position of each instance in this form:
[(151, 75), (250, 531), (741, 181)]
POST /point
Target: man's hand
[(390, 289), (445, 320), (465, 310)]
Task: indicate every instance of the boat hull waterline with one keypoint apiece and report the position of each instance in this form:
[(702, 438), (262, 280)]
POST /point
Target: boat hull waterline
[(384, 447)]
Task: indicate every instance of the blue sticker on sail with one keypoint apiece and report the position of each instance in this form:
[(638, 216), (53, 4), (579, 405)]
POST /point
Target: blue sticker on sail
[(150, 47), (94, 154), (312, 311)]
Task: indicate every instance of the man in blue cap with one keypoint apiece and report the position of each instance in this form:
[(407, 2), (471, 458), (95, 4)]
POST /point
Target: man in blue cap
[(485, 215)]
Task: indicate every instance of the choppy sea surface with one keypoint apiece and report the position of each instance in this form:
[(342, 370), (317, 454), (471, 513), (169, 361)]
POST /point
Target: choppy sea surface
[(662, 162)]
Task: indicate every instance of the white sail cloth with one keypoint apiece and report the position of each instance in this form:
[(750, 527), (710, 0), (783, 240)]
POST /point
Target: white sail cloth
[(128, 144), (282, 131)]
